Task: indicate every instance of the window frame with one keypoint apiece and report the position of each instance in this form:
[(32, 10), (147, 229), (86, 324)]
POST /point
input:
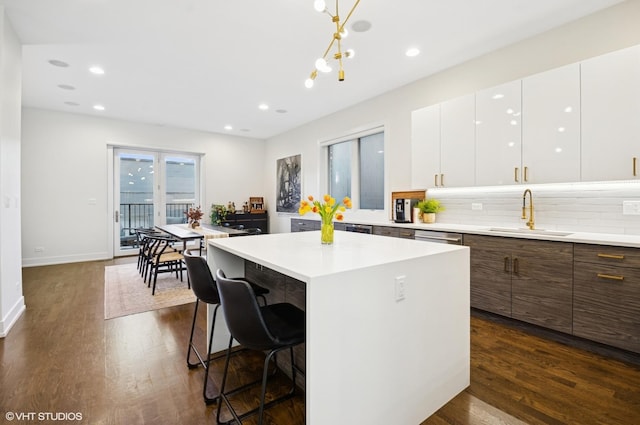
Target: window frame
[(355, 162)]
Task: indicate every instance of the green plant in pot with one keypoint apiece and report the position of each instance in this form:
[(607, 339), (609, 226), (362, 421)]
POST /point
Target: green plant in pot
[(428, 209), (218, 214)]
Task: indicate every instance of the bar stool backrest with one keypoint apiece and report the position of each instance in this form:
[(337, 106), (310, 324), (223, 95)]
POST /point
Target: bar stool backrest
[(202, 282), (243, 315)]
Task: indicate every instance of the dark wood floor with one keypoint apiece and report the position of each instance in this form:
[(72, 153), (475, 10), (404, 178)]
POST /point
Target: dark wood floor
[(62, 356)]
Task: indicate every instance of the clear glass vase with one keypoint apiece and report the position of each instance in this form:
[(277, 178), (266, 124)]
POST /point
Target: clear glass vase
[(326, 232)]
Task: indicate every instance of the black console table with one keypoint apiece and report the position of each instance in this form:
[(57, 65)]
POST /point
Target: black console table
[(248, 220)]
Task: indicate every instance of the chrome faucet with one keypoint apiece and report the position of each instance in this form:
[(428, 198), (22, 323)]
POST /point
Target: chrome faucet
[(531, 224)]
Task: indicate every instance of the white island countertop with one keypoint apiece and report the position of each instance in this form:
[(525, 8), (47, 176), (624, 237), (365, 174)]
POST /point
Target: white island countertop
[(302, 256)]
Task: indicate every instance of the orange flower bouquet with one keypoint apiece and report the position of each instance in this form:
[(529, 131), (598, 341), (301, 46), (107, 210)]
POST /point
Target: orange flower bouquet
[(327, 211)]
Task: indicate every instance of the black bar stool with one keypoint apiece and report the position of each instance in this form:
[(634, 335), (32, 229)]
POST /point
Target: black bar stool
[(204, 288), (271, 328)]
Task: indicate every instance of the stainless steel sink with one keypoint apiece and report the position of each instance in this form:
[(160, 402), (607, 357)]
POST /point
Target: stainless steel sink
[(525, 230)]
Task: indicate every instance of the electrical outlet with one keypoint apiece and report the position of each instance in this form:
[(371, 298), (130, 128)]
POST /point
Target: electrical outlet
[(476, 206), (39, 249), (400, 287), (631, 207)]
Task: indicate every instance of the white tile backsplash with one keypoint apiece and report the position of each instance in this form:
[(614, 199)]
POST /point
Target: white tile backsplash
[(578, 207)]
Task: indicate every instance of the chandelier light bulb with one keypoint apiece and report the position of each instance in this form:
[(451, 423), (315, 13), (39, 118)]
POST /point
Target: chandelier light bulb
[(319, 5), (322, 66), (350, 53), (344, 33), (308, 83)]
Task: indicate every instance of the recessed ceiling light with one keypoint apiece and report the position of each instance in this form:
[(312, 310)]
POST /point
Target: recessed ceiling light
[(98, 107), (56, 62), (96, 70), (66, 87), (245, 130), (72, 103), (281, 111), (361, 26), (263, 106), (412, 52), (228, 127)]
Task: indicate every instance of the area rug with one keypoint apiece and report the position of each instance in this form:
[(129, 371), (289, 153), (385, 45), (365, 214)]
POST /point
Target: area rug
[(125, 292)]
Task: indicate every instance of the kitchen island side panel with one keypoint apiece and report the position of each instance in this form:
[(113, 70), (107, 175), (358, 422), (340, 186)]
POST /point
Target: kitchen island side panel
[(374, 359)]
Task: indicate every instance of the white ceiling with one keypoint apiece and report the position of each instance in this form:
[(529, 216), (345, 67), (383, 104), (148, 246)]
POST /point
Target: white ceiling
[(204, 64)]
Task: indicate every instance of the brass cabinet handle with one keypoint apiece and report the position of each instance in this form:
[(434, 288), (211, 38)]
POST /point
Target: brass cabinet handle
[(611, 277), (515, 174), (441, 179), (526, 177), (516, 266), (506, 264), (435, 180), (635, 166), (612, 256)]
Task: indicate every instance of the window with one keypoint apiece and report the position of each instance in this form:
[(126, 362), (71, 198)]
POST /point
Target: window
[(356, 170)]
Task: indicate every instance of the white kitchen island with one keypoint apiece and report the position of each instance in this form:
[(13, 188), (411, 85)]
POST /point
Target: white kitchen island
[(374, 355)]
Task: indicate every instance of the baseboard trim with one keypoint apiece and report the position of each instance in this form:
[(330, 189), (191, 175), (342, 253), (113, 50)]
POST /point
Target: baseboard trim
[(10, 319), (79, 258)]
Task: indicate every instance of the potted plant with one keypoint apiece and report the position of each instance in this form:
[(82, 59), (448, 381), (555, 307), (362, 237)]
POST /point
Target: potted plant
[(194, 215), (218, 214), (428, 209)]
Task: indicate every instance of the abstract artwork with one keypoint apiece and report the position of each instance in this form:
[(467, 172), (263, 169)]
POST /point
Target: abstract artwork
[(288, 183)]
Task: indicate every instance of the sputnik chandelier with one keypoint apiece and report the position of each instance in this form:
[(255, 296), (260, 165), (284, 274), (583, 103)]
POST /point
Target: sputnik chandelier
[(336, 39)]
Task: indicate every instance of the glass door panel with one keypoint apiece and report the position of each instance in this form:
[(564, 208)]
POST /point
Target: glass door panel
[(134, 197), (180, 186)]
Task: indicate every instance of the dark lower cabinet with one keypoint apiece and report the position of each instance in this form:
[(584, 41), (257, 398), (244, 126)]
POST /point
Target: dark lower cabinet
[(528, 280), (304, 225), (385, 231), (606, 298), (490, 274)]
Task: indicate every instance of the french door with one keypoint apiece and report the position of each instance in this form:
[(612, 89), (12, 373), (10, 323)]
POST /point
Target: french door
[(151, 188)]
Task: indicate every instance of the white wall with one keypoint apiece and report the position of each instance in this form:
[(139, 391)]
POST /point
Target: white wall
[(64, 164), (608, 30), (11, 299)]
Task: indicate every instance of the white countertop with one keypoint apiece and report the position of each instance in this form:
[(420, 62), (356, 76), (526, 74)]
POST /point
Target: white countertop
[(575, 237), (302, 256)]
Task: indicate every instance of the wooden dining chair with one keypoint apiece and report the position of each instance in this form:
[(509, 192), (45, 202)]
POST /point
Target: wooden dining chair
[(164, 259)]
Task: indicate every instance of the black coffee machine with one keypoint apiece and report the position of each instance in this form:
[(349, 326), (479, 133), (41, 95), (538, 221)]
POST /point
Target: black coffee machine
[(402, 210)]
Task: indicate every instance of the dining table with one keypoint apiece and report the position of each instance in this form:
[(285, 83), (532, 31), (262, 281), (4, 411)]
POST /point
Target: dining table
[(186, 233)]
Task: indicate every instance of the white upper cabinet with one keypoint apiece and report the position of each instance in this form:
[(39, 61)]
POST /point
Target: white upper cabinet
[(499, 135), (611, 116), (442, 140), (425, 146), (551, 126), (457, 142)]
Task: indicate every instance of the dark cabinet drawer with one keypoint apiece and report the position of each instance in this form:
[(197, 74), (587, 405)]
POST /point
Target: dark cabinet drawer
[(606, 304), (386, 231), (607, 255)]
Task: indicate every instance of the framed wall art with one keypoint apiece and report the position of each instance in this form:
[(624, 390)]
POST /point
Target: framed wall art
[(288, 183)]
